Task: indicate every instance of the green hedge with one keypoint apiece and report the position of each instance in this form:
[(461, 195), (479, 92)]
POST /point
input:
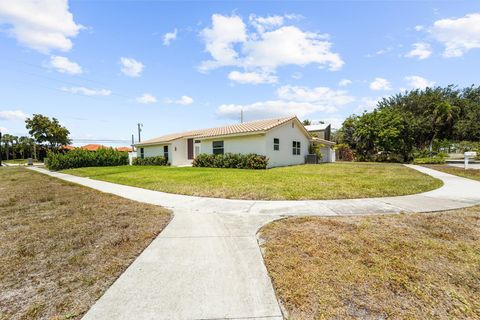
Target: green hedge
[(231, 160), (79, 158), (429, 160), (150, 161)]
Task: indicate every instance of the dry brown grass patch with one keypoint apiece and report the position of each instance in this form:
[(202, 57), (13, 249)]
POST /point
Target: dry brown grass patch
[(469, 173), (416, 266), (63, 245)]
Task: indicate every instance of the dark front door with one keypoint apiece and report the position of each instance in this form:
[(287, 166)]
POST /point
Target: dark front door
[(190, 149)]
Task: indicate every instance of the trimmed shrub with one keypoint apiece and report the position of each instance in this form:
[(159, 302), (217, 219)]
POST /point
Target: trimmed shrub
[(430, 160), (79, 158), (150, 161), (231, 160)]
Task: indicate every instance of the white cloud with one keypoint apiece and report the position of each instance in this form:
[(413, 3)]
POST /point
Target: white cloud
[(64, 65), (252, 77), (184, 100), (3, 130), (42, 25), (265, 23), (131, 67), (417, 82), (344, 82), (169, 37), (220, 38), (289, 45), (146, 98), (421, 50), (87, 91), (367, 104), (291, 100), (321, 95), (380, 52), (380, 84), (10, 115), (269, 46), (419, 28), (458, 35)]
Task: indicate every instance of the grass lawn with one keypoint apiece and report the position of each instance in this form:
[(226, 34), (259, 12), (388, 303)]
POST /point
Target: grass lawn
[(415, 266), (326, 181), (62, 245), (469, 173), (17, 161)]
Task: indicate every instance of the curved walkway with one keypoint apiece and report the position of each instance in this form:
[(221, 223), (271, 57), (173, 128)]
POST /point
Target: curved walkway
[(206, 264)]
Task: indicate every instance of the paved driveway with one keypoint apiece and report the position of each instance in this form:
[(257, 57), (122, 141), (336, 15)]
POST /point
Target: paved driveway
[(206, 264), (470, 165)]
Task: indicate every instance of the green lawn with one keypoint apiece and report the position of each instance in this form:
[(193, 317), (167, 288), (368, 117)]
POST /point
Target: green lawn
[(17, 161), (326, 181)]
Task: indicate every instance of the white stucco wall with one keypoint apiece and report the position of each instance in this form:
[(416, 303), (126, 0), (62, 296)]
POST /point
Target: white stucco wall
[(241, 144), (285, 156), (328, 154), (156, 150)]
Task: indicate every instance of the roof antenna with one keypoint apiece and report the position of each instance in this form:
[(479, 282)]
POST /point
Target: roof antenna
[(241, 115)]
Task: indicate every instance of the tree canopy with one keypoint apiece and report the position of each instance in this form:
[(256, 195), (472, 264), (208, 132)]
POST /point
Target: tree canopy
[(414, 120), (47, 131)]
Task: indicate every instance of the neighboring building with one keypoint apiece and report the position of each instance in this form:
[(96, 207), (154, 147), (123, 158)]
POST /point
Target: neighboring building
[(284, 141), (322, 131), (95, 147)]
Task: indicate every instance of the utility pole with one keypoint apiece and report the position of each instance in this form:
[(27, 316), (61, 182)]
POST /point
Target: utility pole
[(133, 143), (140, 126), (241, 116)]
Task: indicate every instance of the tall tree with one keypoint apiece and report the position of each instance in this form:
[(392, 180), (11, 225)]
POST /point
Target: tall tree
[(7, 140), (444, 115), (47, 131)]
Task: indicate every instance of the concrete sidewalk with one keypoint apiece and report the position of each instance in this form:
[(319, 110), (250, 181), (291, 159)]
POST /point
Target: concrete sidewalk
[(206, 264)]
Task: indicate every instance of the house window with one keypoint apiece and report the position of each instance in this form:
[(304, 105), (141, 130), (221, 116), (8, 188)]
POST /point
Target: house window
[(296, 148), (142, 153), (276, 144), (217, 147), (165, 152)]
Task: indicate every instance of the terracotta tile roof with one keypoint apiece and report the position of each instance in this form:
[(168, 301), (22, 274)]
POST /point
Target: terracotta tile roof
[(67, 147), (93, 147), (235, 129), (124, 149)]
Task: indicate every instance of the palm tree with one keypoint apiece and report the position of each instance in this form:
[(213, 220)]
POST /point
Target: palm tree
[(7, 139), (444, 115), (25, 144)]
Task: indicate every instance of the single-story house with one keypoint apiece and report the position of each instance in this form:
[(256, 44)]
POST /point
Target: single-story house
[(284, 141)]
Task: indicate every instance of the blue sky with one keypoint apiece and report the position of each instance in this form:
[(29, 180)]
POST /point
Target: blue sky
[(101, 67)]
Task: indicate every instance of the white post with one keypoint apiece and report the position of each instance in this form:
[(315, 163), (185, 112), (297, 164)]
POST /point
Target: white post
[(466, 162)]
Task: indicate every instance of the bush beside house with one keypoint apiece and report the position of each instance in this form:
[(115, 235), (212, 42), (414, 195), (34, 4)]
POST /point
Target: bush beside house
[(231, 160), (150, 161), (79, 158)]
